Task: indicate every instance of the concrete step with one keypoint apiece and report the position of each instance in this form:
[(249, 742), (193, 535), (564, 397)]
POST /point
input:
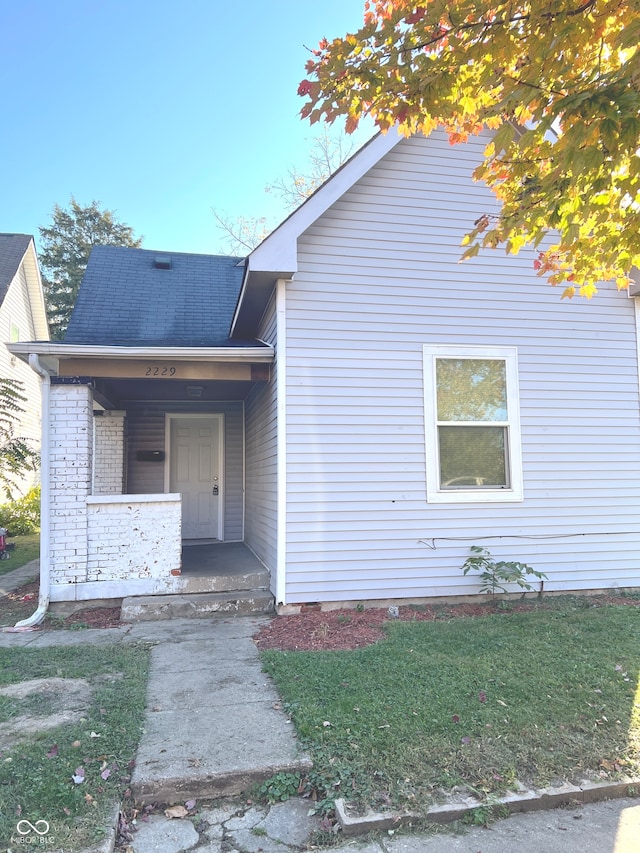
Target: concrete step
[(189, 582), (145, 608)]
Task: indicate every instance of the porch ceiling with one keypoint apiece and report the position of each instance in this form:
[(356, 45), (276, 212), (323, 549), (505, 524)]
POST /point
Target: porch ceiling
[(119, 392)]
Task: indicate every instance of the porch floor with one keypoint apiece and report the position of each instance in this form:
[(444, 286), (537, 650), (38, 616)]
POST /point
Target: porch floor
[(219, 559)]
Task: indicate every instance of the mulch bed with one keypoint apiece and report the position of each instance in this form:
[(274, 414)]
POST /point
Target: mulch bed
[(23, 601), (311, 630), (336, 630)]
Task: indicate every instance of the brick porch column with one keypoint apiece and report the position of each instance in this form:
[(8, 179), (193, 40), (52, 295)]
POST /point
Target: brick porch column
[(71, 451)]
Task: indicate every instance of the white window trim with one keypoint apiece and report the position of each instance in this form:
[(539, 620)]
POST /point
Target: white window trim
[(509, 355)]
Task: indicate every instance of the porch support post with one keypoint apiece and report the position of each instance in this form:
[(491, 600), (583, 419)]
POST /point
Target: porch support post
[(71, 463)]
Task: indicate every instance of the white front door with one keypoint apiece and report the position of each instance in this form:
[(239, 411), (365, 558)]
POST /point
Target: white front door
[(195, 470)]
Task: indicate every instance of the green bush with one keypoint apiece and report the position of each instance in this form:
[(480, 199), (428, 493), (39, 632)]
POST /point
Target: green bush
[(22, 515)]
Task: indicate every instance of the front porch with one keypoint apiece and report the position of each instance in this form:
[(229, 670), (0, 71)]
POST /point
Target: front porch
[(214, 561), (138, 467), (159, 424), (216, 578)]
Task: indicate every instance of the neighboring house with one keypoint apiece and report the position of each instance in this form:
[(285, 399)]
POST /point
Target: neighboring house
[(22, 318), (351, 402)]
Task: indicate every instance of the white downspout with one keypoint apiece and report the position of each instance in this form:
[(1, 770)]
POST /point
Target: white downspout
[(45, 550)]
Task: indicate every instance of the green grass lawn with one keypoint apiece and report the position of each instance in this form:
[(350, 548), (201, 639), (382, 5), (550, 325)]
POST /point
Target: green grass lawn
[(475, 702), (27, 549), (36, 775)]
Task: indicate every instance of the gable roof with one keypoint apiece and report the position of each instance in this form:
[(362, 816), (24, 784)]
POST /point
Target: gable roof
[(12, 250), (277, 256), (127, 300)]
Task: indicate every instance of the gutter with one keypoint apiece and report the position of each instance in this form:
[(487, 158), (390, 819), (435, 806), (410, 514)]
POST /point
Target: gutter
[(45, 550), (257, 354)]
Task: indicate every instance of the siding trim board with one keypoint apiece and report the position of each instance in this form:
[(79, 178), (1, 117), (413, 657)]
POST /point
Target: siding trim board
[(281, 366)]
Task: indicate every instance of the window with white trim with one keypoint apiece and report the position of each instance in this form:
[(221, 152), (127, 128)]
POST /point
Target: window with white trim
[(472, 421)]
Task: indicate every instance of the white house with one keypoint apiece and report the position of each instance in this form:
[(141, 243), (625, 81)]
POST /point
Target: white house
[(350, 405), (22, 318)]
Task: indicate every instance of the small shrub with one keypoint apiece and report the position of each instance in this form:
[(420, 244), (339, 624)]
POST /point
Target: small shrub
[(22, 516), (495, 577)]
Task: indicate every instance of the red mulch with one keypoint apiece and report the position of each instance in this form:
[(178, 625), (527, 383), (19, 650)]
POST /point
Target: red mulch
[(335, 630), (91, 617), (94, 617), (311, 630)]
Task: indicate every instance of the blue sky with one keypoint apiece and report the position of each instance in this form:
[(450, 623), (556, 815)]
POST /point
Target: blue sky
[(160, 110)]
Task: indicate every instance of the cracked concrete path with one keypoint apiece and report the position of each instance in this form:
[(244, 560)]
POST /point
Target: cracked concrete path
[(213, 723)]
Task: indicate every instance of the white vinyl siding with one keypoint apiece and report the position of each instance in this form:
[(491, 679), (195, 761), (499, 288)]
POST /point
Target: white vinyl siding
[(508, 423), (16, 313), (379, 277), (261, 458)]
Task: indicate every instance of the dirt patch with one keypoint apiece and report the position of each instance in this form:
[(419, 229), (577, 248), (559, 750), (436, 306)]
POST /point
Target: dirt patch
[(51, 702), (21, 603), (337, 630)]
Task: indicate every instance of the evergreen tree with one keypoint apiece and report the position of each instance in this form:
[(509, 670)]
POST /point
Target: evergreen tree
[(66, 245)]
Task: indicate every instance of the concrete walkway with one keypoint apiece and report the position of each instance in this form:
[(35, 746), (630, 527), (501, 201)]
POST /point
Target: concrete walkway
[(214, 725), (213, 722), (12, 580)]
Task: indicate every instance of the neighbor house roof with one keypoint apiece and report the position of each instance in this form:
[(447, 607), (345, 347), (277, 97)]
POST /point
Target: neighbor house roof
[(12, 251), (139, 297)]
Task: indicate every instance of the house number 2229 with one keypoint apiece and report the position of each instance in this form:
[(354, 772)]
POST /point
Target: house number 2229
[(160, 371)]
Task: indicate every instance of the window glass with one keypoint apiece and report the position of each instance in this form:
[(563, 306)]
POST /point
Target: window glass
[(473, 457), (471, 389)]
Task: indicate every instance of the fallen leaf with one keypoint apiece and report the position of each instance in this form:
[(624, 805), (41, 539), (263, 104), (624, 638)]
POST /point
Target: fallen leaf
[(190, 804), (455, 718), (482, 696), (76, 744), (78, 776), (105, 774), (500, 702), (176, 812), (53, 751), (465, 740)]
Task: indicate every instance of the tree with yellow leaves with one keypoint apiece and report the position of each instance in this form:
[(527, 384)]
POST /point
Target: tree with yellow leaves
[(558, 83)]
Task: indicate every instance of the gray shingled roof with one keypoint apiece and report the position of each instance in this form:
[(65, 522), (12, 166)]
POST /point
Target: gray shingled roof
[(12, 249), (125, 301)]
